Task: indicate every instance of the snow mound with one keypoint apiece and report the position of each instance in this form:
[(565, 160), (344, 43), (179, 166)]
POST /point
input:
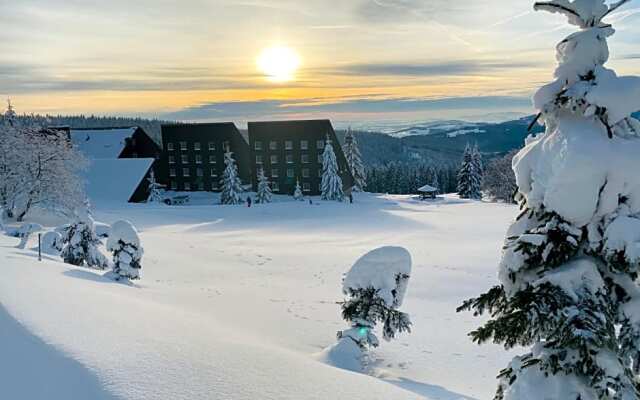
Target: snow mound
[(380, 269), (345, 354), (122, 231)]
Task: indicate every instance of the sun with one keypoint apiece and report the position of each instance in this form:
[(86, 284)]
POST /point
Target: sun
[(279, 63)]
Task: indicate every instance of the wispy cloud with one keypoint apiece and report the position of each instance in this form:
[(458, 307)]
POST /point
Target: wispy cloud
[(452, 68)]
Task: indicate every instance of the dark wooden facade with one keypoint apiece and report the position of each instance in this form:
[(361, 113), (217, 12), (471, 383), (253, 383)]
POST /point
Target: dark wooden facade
[(291, 151), (193, 155)]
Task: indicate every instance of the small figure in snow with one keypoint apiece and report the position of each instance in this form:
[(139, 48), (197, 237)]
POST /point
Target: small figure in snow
[(124, 242), (249, 201)]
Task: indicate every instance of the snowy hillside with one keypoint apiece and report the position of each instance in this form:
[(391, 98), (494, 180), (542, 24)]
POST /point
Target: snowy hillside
[(236, 303)]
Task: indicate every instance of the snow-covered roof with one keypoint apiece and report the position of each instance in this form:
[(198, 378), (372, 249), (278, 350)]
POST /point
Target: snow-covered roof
[(101, 143), (428, 189), (115, 180)]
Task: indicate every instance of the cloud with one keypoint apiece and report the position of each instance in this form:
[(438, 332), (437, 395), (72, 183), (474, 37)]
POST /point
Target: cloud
[(269, 109), (397, 10), (454, 68)]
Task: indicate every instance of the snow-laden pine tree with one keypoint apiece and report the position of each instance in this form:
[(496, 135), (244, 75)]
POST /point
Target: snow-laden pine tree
[(124, 243), (468, 177), (156, 190), (264, 188), (297, 193), (331, 182), (81, 244), (231, 183), (354, 161), (478, 166), (569, 273), (375, 288)]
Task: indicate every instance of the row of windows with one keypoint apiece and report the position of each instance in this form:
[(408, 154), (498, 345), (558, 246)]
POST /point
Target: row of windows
[(197, 146), (202, 186), (184, 159), (288, 145), (306, 173), (273, 159)]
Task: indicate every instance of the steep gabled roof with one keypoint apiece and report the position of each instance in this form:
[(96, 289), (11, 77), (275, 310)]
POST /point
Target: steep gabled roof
[(101, 143), (115, 180)]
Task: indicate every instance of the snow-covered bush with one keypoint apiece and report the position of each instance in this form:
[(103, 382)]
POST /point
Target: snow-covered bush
[(331, 181), (24, 233), (81, 244), (375, 287), (231, 183), (470, 175), (264, 189), (297, 193), (354, 161), (568, 276), (52, 243), (124, 242)]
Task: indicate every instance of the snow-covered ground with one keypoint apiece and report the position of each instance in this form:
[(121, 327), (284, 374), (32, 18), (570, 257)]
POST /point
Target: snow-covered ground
[(236, 302)]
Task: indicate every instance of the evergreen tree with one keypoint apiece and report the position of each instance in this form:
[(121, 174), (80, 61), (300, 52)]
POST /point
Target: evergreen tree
[(354, 161), (468, 176), (156, 190), (477, 164), (10, 114), (231, 183), (81, 244), (297, 194), (499, 179), (124, 242), (264, 188), (331, 181), (569, 272)]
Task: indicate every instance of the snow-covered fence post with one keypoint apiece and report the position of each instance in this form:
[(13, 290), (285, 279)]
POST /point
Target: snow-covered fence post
[(39, 246), (569, 272), (375, 288)]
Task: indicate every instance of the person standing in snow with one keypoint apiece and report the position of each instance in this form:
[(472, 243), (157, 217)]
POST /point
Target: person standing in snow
[(249, 201)]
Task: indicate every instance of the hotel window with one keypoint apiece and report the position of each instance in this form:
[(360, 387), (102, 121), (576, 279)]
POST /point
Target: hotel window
[(274, 159), (288, 145), (290, 173), (305, 159), (174, 185), (198, 159), (172, 159), (258, 159), (320, 144), (273, 145), (212, 160), (185, 172), (214, 173), (258, 145), (214, 186), (172, 172), (304, 144), (185, 159), (212, 146), (170, 146), (199, 172), (289, 159), (275, 187), (275, 173), (306, 186), (134, 155), (226, 146), (183, 145), (196, 146), (187, 186), (305, 172), (200, 186)]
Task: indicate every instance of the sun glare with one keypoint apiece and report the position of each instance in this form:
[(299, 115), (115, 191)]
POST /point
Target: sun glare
[(279, 63)]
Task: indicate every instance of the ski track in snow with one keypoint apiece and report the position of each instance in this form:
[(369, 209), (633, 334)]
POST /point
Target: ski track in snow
[(234, 302)]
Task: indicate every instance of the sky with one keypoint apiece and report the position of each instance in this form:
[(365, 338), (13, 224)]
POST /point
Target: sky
[(196, 60)]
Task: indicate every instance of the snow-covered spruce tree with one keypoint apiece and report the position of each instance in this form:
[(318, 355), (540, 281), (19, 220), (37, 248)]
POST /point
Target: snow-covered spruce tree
[(354, 161), (297, 193), (331, 181), (569, 272), (231, 183), (124, 243), (499, 179), (468, 176), (264, 188), (477, 164), (156, 190), (375, 287), (81, 242)]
